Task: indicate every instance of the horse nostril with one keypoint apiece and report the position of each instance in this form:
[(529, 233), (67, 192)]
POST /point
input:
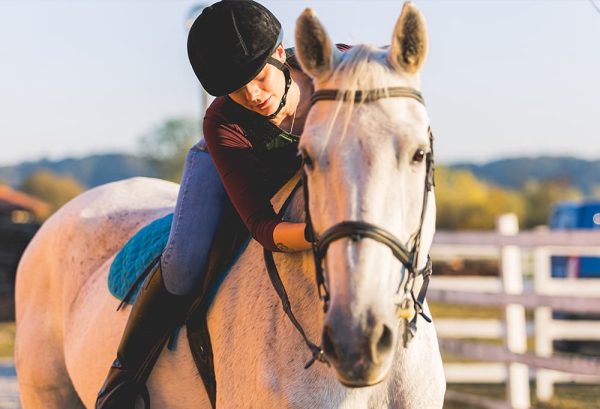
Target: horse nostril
[(384, 343), (328, 344)]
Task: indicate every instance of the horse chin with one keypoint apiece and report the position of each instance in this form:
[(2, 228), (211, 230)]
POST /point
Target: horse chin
[(360, 383), (351, 379)]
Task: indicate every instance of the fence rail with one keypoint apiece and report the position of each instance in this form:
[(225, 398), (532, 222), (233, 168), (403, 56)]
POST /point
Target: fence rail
[(586, 240), (511, 362), (582, 305), (496, 353)]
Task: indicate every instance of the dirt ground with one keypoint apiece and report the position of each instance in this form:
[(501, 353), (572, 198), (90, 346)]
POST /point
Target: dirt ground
[(9, 394)]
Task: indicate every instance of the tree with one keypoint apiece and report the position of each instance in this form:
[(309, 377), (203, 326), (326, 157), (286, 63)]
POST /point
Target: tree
[(465, 202), (541, 196), (167, 145), (51, 188)]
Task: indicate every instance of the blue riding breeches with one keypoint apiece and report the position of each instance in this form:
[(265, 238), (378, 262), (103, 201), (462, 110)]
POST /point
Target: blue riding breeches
[(198, 210)]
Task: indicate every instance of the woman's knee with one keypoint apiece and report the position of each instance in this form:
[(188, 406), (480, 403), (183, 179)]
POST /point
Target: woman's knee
[(182, 276)]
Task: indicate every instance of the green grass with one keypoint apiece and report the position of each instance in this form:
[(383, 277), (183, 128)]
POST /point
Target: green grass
[(440, 310), (7, 339), (567, 396)]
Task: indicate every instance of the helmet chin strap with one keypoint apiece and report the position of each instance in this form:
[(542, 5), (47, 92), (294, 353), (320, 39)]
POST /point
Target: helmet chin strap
[(288, 83)]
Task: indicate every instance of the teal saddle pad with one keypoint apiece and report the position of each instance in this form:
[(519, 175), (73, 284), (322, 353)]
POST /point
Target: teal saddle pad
[(137, 254)]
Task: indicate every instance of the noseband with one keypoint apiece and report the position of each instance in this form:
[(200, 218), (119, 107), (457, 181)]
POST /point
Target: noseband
[(409, 306)]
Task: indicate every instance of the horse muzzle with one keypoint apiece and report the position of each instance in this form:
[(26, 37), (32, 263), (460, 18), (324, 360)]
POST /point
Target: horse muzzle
[(362, 356)]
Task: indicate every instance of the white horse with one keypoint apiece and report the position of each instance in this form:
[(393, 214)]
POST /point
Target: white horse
[(365, 167)]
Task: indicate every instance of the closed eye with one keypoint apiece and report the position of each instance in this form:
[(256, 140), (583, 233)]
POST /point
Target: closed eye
[(307, 160)]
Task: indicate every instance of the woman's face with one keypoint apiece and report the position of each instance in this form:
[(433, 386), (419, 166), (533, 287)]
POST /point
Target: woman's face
[(263, 93)]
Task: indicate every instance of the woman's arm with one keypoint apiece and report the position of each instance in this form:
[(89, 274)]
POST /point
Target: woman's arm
[(238, 166), (290, 237)]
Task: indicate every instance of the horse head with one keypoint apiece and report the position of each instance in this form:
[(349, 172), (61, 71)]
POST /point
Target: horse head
[(366, 152)]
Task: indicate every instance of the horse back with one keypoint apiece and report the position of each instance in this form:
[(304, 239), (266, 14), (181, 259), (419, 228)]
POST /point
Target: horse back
[(61, 292)]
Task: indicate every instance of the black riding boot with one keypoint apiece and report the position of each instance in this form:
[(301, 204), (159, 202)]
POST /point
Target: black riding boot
[(154, 315)]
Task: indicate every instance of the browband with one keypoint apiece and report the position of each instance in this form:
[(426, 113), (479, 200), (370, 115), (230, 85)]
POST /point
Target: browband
[(366, 96)]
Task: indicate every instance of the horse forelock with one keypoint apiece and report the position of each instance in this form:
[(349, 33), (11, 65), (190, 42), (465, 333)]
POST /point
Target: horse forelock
[(363, 67)]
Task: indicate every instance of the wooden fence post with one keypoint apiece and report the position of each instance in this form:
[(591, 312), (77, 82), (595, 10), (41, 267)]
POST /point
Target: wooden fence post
[(543, 322), (516, 326)]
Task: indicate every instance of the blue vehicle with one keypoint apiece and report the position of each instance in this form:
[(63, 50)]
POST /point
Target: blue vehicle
[(570, 215)]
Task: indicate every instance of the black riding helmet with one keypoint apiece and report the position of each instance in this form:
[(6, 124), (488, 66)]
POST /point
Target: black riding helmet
[(231, 42)]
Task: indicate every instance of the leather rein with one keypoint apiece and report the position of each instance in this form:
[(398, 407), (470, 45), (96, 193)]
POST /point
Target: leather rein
[(410, 305)]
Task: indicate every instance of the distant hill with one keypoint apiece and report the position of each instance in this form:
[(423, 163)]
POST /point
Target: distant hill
[(90, 171), (511, 173), (514, 172)]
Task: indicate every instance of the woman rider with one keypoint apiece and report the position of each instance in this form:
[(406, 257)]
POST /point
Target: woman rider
[(263, 97)]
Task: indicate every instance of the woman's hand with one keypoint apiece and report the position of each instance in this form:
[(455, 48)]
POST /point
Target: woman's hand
[(290, 237)]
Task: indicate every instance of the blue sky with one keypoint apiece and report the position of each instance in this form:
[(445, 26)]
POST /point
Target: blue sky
[(503, 77)]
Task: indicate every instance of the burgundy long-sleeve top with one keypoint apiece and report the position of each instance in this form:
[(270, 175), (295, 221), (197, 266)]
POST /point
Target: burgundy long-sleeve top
[(254, 161)]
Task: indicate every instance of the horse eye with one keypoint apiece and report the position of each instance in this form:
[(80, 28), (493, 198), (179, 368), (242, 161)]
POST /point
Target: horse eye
[(419, 155), (307, 160)]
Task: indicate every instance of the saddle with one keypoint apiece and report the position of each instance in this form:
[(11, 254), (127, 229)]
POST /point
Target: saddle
[(133, 263)]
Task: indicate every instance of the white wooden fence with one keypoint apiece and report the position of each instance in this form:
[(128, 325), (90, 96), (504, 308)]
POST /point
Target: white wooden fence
[(538, 291)]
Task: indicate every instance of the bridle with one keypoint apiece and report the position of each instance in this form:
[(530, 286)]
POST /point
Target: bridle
[(409, 306)]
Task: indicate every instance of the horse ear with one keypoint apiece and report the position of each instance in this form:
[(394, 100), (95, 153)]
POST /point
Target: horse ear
[(409, 40), (315, 51)]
